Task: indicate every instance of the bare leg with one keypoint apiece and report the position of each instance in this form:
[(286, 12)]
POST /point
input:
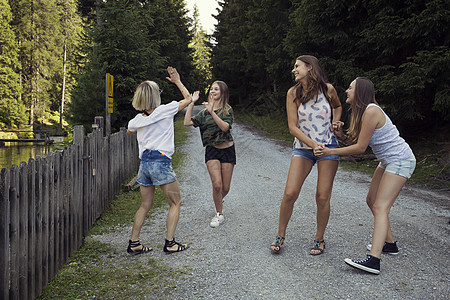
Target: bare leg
[(388, 190), (215, 173), (227, 173), (298, 171), (147, 195), (326, 172), (372, 195), (172, 193)]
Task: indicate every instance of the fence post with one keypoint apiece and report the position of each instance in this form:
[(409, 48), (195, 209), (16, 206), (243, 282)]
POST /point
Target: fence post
[(23, 231), (14, 232), (38, 226), (31, 227), (45, 229), (51, 216), (4, 234)]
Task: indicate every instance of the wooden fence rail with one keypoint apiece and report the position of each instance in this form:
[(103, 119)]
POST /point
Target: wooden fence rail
[(48, 205)]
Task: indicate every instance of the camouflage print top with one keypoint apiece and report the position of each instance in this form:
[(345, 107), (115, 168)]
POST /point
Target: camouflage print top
[(210, 131)]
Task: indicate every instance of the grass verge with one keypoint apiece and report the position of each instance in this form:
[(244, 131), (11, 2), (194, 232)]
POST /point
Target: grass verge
[(432, 152), (94, 271)]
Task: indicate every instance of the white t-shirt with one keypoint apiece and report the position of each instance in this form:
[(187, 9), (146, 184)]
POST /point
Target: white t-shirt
[(156, 132)]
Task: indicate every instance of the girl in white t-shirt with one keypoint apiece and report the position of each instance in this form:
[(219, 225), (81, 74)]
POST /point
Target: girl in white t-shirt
[(155, 135)]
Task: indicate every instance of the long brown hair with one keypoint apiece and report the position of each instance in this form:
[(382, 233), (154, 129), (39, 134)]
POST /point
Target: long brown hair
[(317, 81), (364, 95), (224, 96)]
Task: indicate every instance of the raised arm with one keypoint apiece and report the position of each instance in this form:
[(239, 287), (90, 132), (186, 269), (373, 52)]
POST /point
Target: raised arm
[(174, 77), (224, 126), (188, 114)]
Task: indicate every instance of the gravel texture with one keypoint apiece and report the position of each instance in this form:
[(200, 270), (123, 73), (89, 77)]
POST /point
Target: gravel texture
[(233, 261)]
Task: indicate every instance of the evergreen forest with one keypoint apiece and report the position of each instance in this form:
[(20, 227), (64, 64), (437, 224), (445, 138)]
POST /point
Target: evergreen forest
[(55, 53)]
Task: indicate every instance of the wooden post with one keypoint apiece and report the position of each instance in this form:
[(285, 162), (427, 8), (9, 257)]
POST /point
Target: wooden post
[(14, 232), (38, 226), (51, 216), (107, 114), (4, 234), (23, 231), (78, 135), (45, 230), (31, 227)]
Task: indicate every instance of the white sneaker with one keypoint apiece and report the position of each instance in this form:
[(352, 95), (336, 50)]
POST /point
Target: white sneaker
[(217, 220)]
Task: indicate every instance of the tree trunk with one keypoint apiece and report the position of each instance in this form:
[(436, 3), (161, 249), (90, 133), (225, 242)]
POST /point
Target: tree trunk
[(63, 88)]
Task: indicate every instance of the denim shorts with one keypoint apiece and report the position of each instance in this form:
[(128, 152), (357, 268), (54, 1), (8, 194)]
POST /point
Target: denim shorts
[(309, 153), (404, 167), (225, 155), (155, 169)]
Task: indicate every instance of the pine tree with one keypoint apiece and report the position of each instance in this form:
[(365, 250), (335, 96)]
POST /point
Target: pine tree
[(72, 32), (12, 111), (38, 30), (268, 66), (229, 57), (201, 55), (169, 30), (88, 96)]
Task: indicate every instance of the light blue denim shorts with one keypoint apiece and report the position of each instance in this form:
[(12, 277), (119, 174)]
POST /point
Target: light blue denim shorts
[(309, 153), (155, 169), (404, 167)]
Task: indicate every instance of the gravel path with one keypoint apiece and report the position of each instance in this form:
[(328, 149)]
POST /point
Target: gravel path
[(233, 261)]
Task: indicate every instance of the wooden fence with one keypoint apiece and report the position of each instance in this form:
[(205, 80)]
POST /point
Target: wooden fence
[(48, 205)]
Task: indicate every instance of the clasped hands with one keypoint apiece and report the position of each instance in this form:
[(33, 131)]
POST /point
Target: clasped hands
[(320, 149)]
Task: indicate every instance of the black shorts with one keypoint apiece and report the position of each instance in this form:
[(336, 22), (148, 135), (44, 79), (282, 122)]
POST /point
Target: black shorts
[(226, 155)]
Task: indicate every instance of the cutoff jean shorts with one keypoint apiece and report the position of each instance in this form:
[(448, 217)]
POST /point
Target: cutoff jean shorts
[(309, 153), (404, 167), (155, 169)]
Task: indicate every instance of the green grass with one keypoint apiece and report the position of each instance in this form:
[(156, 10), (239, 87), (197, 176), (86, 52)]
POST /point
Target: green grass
[(432, 151), (93, 272), (275, 125), (96, 271)]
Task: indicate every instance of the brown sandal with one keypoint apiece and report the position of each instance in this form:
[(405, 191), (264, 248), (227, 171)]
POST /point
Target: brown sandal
[(316, 247), (276, 246)]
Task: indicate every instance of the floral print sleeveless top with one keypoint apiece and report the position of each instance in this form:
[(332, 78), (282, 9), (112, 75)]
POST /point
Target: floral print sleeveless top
[(314, 119)]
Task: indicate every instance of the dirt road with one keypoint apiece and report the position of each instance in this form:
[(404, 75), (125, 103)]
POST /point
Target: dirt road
[(233, 261)]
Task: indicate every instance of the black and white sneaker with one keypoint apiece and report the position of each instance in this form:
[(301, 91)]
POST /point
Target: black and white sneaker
[(369, 264), (388, 248)]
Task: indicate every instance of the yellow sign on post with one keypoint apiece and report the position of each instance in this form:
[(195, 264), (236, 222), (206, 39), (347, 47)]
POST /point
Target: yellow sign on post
[(110, 93)]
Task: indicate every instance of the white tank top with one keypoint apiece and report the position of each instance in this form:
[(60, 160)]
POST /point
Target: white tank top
[(314, 120), (386, 143)]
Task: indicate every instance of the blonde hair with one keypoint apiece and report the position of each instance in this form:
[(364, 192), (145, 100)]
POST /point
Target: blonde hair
[(147, 96)]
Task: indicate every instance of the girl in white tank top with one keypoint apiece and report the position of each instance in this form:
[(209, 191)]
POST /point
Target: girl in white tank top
[(370, 126)]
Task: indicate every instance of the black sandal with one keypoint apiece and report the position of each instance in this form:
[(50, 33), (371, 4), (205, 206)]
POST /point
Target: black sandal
[(279, 241), (172, 243), (135, 244), (316, 247)]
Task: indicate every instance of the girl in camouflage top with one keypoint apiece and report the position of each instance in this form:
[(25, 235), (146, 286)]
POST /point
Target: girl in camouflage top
[(215, 122)]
